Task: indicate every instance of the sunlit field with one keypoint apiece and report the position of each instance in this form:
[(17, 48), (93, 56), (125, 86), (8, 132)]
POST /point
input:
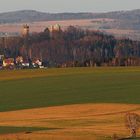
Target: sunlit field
[(67, 104)]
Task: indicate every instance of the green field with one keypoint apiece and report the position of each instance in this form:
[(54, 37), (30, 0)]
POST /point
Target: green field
[(8, 129), (23, 89)]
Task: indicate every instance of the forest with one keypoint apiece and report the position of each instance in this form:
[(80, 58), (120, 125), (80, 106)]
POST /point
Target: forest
[(72, 47)]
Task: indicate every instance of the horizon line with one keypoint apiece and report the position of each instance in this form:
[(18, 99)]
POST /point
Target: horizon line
[(18, 10)]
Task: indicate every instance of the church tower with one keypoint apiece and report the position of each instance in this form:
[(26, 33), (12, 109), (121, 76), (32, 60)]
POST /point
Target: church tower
[(25, 35), (25, 31)]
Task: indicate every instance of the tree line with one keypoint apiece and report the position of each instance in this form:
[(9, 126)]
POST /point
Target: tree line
[(73, 47)]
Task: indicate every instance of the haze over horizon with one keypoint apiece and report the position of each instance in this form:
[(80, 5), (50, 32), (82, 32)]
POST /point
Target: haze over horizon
[(69, 6)]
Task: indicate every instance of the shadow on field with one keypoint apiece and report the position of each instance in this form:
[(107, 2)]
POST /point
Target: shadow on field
[(138, 138), (26, 130)]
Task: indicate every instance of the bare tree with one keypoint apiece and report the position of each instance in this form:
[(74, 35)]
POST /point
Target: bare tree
[(132, 122)]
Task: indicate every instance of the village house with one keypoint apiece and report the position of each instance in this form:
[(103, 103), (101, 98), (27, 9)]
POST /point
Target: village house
[(37, 63), (9, 62)]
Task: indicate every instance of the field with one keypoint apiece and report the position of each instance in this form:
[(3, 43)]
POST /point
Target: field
[(40, 26), (67, 104), (92, 24)]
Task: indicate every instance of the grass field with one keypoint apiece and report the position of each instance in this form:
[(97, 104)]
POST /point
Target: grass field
[(42, 88), (90, 102)]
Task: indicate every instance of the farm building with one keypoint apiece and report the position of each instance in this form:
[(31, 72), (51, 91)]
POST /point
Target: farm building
[(8, 62)]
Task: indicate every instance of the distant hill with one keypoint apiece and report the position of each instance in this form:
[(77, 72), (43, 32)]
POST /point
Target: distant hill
[(120, 23), (131, 15), (124, 19), (32, 15)]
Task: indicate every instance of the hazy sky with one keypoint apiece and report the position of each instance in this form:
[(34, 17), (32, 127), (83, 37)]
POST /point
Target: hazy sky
[(69, 5)]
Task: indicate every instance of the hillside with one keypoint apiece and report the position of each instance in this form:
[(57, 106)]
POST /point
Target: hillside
[(67, 104), (32, 15), (124, 24)]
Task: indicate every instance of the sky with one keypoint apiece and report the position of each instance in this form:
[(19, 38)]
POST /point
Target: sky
[(54, 6)]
